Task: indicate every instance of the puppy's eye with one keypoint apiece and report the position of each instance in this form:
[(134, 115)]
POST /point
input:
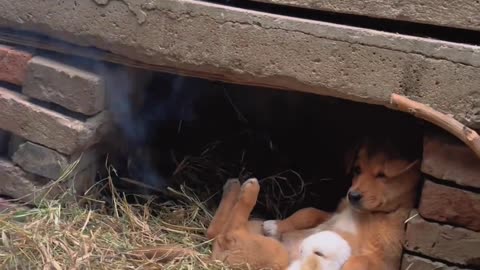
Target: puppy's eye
[(357, 170), (318, 253)]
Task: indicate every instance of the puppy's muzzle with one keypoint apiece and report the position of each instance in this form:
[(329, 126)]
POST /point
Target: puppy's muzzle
[(355, 198)]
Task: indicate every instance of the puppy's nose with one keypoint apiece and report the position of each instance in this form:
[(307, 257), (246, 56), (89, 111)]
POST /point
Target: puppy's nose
[(354, 196)]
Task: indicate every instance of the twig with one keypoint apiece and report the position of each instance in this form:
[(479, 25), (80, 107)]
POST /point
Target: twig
[(464, 133)]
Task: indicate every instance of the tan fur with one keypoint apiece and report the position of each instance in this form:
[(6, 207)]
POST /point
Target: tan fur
[(374, 227)]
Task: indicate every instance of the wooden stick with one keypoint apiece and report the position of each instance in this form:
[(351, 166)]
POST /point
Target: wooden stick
[(464, 133)]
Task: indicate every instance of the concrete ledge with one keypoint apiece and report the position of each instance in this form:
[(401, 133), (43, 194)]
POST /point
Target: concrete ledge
[(459, 13), (224, 43)]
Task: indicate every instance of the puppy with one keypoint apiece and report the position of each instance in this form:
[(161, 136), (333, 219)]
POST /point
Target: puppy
[(370, 219), (365, 233)]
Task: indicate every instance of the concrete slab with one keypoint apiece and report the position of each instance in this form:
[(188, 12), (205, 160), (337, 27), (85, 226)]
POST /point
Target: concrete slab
[(247, 47), (459, 14)]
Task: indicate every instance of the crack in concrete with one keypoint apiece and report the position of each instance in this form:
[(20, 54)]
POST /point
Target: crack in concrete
[(139, 13)]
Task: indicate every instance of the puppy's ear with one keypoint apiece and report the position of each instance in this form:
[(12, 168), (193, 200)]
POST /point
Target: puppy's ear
[(394, 168)]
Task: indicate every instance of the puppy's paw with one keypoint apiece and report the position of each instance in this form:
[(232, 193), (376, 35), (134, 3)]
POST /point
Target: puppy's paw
[(270, 228), (231, 184)]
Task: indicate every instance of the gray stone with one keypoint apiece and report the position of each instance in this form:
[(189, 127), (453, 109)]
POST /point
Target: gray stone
[(46, 162), (253, 48), (40, 160), (16, 183), (458, 14), (76, 89), (456, 245), (46, 127), (411, 262)]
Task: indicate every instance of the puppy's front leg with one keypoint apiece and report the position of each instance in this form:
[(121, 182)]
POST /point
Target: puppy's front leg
[(303, 219)]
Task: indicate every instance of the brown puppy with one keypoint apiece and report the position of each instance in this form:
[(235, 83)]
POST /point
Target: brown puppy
[(371, 220)]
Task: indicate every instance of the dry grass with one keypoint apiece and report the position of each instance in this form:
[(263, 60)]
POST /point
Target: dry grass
[(70, 236)]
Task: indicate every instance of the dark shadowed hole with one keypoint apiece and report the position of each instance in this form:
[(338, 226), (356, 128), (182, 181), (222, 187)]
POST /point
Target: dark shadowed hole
[(179, 130)]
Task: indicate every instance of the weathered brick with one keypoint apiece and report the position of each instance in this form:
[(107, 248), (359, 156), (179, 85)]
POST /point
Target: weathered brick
[(46, 127), (71, 87), (16, 183), (450, 205), (456, 245), (13, 64), (411, 262), (447, 159), (46, 162)]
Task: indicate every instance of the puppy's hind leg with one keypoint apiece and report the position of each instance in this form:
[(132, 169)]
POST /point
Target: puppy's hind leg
[(243, 207), (231, 190)]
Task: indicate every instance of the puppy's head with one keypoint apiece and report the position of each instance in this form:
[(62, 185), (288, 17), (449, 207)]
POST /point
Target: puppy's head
[(382, 180)]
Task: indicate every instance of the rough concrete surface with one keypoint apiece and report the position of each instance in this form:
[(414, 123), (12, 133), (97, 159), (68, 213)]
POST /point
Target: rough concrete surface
[(411, 262), (71, 87), (248, 47), (458, 13), (13, 64), (456, 245), (450, 160), (46, 127)]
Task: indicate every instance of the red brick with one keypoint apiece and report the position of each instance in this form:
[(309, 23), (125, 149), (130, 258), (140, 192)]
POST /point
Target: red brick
[(450, 205), (443, 242), (46, 127), (450, 160), (13, 64)]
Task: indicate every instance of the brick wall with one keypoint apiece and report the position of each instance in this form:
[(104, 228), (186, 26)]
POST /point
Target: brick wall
[(446, 232), (51, 114)]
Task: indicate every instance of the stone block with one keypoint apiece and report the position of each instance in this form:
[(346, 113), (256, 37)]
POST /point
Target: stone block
[(16, 183), (458, 14), (48, 163), (411, 262), (71, 87), (448, 159), (46, 127), (13, 64), (450, 205), (444, 242)]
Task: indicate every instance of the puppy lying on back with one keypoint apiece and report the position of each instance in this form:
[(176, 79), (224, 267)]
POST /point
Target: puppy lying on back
[(370, 219), (365, 233)]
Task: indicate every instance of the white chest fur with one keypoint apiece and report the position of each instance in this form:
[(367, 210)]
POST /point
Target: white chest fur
[(344, 222), (325, 250)]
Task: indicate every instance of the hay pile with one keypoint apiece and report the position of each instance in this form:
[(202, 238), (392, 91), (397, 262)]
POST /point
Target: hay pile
[(103, 235)]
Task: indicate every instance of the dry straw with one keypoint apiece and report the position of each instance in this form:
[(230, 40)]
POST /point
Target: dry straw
[(59, 235)]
